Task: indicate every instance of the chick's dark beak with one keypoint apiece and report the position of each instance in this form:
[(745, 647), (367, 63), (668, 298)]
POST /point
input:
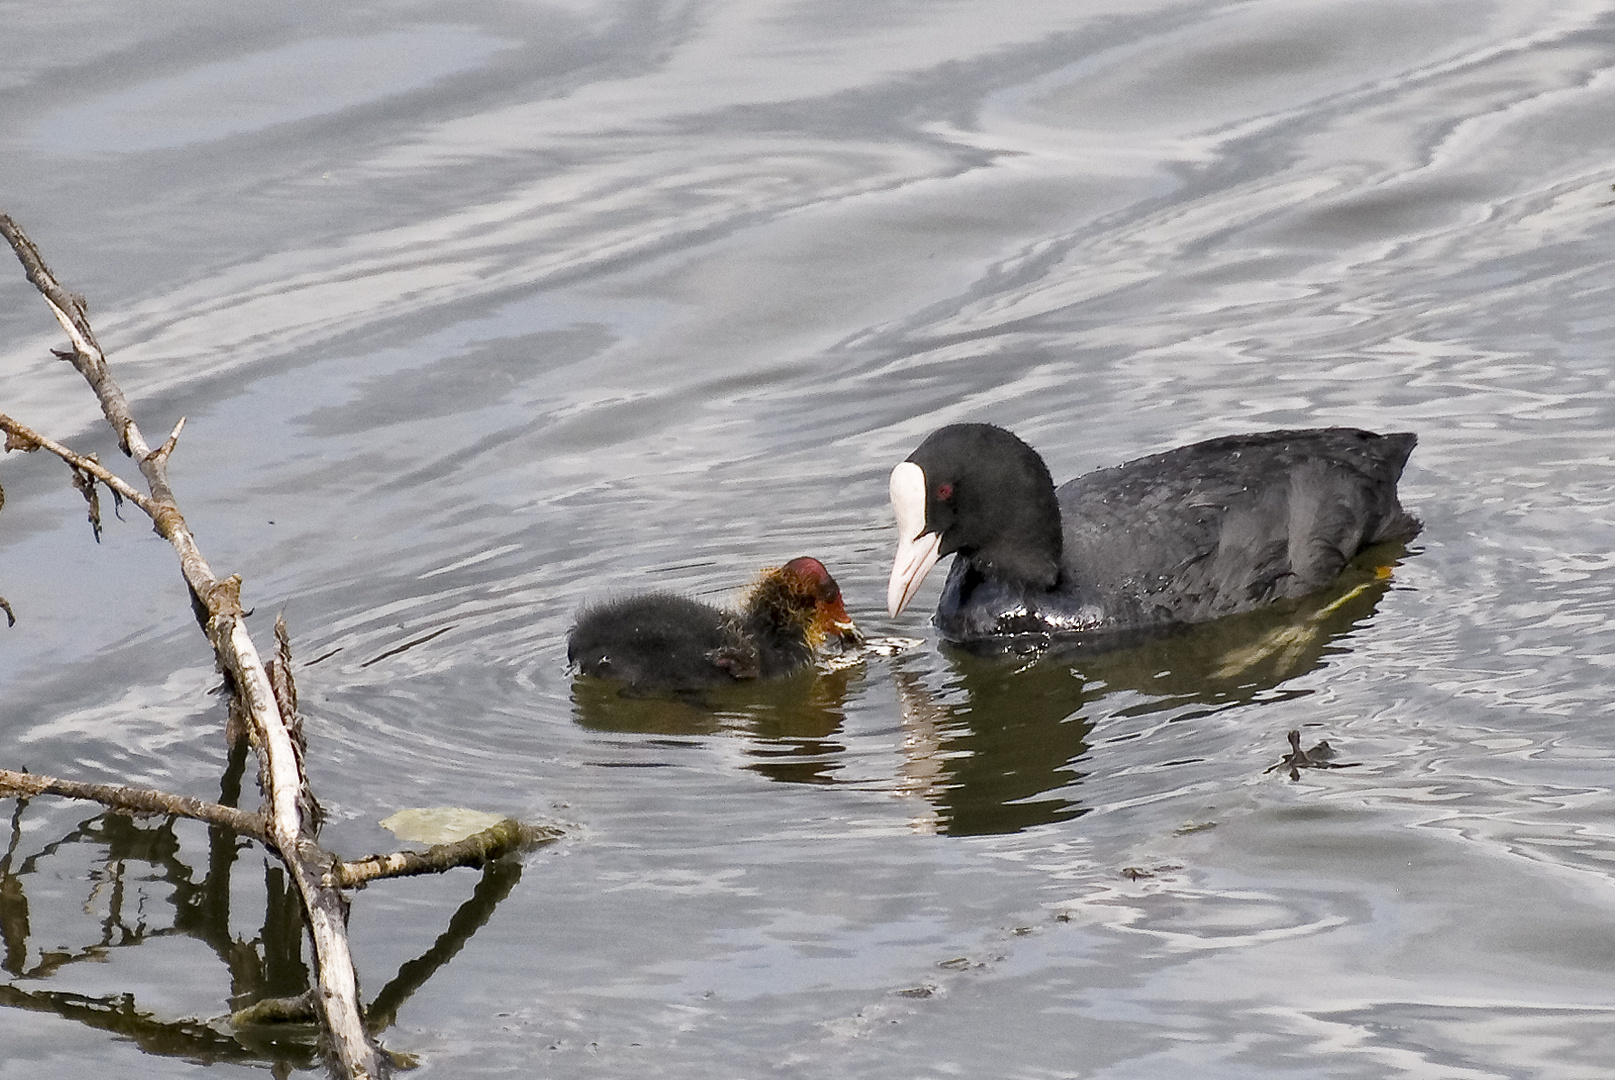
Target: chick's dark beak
[(851, 637), (841, 625)]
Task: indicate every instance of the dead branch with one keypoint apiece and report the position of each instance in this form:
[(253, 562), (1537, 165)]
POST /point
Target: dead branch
[(85, 483), (20, 436), (475, 850), (71, 311), (290, 827), (133, 800)]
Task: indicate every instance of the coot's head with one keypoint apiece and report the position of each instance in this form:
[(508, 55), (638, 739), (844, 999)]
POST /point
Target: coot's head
[(802, 597), (977, 490)]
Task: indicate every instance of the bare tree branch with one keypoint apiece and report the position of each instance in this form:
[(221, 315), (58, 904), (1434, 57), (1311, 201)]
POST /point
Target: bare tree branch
[(291, 823), (134, 800), (85, 483), (161, 453), (70, 310), (20, 436)]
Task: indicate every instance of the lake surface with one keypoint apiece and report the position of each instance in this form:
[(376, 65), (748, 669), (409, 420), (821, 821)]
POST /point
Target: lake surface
[(479, 314)]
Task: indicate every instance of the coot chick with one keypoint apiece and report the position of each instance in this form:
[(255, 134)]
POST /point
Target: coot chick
[(663, 642), (1207, 530)]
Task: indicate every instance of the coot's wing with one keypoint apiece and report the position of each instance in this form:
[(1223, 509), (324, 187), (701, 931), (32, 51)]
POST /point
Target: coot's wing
[(1230, 524)]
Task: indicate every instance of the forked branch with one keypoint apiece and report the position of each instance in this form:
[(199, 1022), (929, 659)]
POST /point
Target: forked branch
[(288, 821)]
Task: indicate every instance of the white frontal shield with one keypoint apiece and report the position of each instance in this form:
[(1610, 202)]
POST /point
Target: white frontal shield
[(916, 548)]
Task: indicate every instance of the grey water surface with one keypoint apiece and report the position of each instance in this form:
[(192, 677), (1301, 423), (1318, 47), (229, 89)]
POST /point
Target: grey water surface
[(481, 312)]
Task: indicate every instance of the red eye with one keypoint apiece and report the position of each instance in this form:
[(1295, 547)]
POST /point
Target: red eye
[(944, 492)]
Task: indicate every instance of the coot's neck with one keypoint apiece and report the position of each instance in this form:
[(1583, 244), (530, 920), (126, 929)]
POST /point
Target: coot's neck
[(1027, 573), (1015, 535), (993, 501), (778, 630)]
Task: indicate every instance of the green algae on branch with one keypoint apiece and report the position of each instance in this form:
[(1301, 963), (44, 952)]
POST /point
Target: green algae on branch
[(487, 842)]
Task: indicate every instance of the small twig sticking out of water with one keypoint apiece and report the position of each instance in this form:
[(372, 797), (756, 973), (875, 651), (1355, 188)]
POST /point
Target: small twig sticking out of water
[(1319, 757)]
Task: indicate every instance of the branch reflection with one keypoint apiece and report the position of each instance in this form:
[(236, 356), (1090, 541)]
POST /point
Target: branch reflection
[(136, 872), (795, 722)]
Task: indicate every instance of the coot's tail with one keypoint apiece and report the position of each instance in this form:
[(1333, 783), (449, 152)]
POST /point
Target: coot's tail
[(1395, 523)]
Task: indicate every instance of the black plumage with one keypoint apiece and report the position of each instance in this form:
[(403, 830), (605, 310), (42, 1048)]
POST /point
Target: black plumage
[(1219, 527), (663, 642)]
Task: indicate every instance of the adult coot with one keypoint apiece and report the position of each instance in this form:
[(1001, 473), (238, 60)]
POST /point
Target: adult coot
[(663, 642), (1202, 531)]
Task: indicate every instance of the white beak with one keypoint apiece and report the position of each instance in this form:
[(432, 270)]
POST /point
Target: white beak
[(916, 548)]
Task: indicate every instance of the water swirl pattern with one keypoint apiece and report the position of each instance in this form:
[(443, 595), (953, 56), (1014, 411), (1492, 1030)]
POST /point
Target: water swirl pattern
[(517, 308)]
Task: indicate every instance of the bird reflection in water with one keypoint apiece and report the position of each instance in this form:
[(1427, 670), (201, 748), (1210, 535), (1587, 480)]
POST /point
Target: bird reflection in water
[(1234, 660), (989, 754), (1000, 742), (997, 748), (793, 722)]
